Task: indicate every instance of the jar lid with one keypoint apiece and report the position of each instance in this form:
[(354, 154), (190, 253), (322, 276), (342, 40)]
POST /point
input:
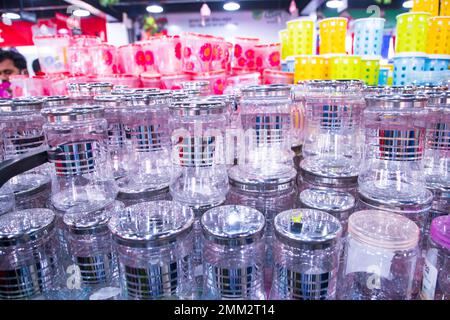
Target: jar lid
[(257, 184), (233, 225), (334, 182), (56, 101), (151, 224), (383, 229), (136, 100), (307, 228), (122, 91), (420, 204), (195, 85), (73, 113), (162, 97), (91, 221), (24, 226), (128, 190), (408, 89), (197, 107), (327, 200), (374, 90), (397, 101), (270, 90), (29, 104), (29, 184), (333, 87), (178, 96), (440, 231)]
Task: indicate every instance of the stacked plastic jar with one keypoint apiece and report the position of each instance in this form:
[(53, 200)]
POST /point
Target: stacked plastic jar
[(149, 168), (233, 253), (21, 133), (154, 242), (78, 148), (81, 93), (306, 255)]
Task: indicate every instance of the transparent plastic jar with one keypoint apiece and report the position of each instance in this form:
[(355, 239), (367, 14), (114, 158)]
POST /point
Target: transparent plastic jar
[(78, 140), (198, 152), (233, 253), (132, 197), (392, 168), (306, 255), (81, 93), (332, 144), (154, 243), (114, 106), (381, 252), (202, 86), (337, 203), (7, 200), (436, 279), (28, 254), (57, 101), (21, 132), (267, 123), (90, 247), (146, 121), (298, 116)]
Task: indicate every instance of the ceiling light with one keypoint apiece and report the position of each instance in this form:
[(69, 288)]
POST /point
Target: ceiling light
[(408, 4), (11, 16), (231, 6), (154, 8), (81, 13), (334, 4)]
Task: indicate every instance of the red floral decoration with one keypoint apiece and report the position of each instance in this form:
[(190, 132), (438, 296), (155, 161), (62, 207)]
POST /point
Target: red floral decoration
[(107, 57), (237, 51), (206, 52), (219, 86), (187, 52), (217, 52), (140, 58), (250, 64), (149, 58), (259, 62), (241, 62), (189, 66), (274, 59), (250, 54), (178, 50)]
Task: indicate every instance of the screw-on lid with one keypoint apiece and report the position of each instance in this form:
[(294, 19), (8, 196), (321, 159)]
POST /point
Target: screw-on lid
[(271, 90), (73, 113), (195, 85), (327, 200), (383, 229), (24, 226), (333, 87), (29, 104), (151, 224), (397, 101), (197, 107), (233, 225), (307, 228), (326, 181), (56, 101), (440, 231)]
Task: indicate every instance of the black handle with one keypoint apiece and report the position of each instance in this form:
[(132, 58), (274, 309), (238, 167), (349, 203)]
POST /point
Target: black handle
[(13, 167)]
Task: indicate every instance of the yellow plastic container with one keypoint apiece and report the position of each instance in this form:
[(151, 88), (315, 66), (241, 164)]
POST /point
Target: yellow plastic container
[(332, 32), (344, 67), (439, 35), (309, 67), (284, 41), (370, 71), (431, 6), (301, 36), (412, 32), (445, 8)]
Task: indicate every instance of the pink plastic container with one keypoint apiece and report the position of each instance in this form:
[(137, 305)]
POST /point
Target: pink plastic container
[(104, 59), (80, 54), (128, 80), (216, 79), (85, 40), (201, 52), (277, 77), (133, 59), (24, 86), (59, 82), (268, 56), (151, 80), (52, 53), (244, 79), (245, 54), (173, 81), (167, 53)]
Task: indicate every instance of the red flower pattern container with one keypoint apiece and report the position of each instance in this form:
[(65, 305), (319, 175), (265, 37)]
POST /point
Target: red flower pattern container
[(166, 53), (202, 53), (151, 80), (245, 54), (216, 79), (173, 81), (128, 80), (268, 56), (244, 79), (133, 59), (104, 59), (24, 86), (277, 77)]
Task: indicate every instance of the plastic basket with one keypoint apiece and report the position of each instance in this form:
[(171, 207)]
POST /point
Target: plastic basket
[(430, 6), (405, 65), (344, 67), (439, 35), (301, 36), (310, 67), (412, 32), (368, 36), (370, 70), (332, 35)]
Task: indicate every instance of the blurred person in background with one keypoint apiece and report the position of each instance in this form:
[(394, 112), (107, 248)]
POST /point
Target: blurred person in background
[(11, 63)]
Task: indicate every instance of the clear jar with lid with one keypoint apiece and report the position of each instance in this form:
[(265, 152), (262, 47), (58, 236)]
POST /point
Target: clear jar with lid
[(332, 144), (267, 123), (153, 243), (233, 253), (7, 200), (146, 122), (82, 93), (202, 86), (90, 248), (198, 152), (436, 278), (114, 106), (381, 252), (392, 168), (306, 255), (298, 116), (337, 203), (28, 254), (78, 140), (57, 101), (21, 132)]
